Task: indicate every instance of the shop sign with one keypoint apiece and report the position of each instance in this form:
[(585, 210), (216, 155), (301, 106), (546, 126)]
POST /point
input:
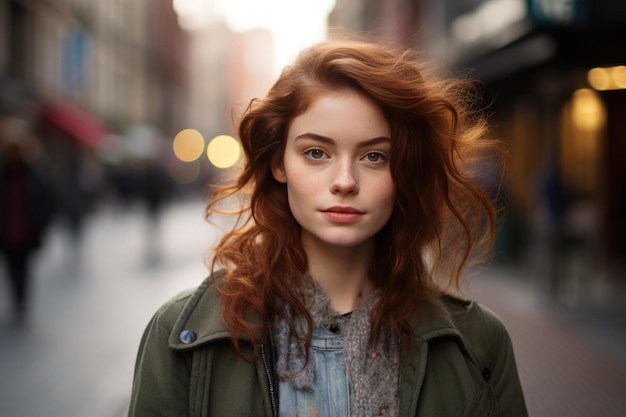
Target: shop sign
[(556, 12)]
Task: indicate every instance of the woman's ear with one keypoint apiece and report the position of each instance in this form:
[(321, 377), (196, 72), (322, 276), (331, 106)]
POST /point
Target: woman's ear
[(278, 170)]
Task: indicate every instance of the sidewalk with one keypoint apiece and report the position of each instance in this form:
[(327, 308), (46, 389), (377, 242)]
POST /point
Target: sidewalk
[(75, 355), (571, 359)]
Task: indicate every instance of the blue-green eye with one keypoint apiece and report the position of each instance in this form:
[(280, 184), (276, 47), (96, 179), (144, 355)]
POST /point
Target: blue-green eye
[(315, 153), (375, 157)]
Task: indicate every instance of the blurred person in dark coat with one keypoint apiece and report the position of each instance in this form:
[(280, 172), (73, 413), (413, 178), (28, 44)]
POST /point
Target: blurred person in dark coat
[(155, 189), (26, 205)]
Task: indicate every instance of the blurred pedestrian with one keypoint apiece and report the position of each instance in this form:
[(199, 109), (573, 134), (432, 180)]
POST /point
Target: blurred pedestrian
[(155, 189), (81, 187), (26, 206), (340, 296)]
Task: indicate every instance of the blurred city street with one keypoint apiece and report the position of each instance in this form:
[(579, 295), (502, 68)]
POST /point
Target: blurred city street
[(74, 355), (134, 103), (571, 357)]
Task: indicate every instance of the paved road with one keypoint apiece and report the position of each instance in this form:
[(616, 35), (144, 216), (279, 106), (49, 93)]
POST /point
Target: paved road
[(571, 357), (75, 355)]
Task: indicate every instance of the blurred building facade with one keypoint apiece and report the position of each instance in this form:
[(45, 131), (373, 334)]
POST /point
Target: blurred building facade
[(545, 65), (101, 82), (226, 69), (120, 61)]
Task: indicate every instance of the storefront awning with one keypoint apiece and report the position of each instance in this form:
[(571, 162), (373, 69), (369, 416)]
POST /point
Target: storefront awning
[(74, 122)]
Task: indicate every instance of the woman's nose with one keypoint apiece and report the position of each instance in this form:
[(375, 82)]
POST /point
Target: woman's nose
[(344, 179)]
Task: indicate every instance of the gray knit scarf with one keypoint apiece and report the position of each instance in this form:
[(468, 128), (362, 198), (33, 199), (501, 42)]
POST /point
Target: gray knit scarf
[(373, 371)]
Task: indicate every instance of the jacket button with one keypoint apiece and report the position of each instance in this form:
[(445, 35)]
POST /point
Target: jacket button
[(187, 336), (486, 374)]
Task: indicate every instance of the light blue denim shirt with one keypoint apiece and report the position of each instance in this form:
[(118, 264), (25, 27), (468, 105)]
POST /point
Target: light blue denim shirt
[(331, 396)]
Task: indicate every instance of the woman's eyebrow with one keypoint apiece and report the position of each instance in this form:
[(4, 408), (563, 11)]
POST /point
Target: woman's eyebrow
[(326, 139), (316, 137)]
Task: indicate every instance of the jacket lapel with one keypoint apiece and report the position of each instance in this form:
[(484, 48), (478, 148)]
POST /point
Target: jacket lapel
[(432, 321), (200, 322)]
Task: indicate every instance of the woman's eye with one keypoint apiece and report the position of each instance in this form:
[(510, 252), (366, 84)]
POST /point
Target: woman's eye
[(375, 157), (315, 153)]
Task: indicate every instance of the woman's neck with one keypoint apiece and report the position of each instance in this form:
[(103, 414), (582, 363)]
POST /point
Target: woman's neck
[(343, 273)]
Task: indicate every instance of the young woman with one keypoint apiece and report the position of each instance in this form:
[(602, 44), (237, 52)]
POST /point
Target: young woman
[(334, 295)]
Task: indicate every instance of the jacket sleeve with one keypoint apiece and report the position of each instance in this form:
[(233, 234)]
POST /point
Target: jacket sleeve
[(162, 376), (500, 368)]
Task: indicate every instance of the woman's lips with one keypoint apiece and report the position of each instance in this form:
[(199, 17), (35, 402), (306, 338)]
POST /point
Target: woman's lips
[(342, 214)]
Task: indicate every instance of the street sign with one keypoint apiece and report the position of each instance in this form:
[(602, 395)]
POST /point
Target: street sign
[(556, 12)]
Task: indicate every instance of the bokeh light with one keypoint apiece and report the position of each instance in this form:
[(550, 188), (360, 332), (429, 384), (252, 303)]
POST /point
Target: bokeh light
[(619, 76), (223, 151), (188, 145), (607, 78), (599, 78), (588, 112)]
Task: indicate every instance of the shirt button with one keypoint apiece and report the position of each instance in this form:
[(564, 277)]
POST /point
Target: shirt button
[(187, 336)]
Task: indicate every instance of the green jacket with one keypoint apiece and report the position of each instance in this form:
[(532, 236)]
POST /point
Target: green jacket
[(461, 364)]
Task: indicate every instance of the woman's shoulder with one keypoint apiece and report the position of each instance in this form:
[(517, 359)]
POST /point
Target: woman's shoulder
[(481, 330), (192, 316), (470, 315), (171, 309)]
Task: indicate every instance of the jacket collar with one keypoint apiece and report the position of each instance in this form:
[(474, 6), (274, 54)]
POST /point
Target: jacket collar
[(200, 321), (438, 317)]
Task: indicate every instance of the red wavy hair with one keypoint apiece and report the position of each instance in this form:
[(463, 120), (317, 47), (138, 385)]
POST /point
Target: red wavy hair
[(442, 220)]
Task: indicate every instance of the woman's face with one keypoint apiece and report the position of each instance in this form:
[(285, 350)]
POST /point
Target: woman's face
[(336, 168)]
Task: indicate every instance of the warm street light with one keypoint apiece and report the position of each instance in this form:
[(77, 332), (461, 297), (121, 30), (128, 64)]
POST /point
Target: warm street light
[(188, 145), (223, 151)]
